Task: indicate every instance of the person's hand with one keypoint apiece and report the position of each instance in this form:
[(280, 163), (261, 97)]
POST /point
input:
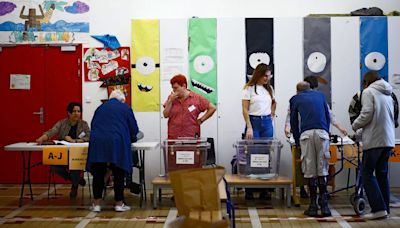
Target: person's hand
[(199, 121), (249, 133), (40, 140), (69, 139), (343, 131), (287, 131), (173, 96)]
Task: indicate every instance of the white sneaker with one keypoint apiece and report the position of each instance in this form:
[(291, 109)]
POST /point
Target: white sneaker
[(376, 215), (122, 208), (95, 208)]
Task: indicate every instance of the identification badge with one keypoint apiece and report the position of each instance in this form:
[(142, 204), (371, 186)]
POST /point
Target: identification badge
[(81, 135), (191, 108)]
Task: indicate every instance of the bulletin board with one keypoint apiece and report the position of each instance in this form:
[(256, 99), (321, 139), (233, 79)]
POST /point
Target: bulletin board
[(102, 63)]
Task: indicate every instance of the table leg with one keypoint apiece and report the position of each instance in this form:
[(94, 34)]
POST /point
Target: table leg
[(23, 179), (29, 174), (142, 180), (288, 196), (155, 190)]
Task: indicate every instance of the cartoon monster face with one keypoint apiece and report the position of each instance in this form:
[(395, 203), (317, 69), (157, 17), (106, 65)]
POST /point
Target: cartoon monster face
[(146, 67), (202, 57), (202, 65), (145, 60)]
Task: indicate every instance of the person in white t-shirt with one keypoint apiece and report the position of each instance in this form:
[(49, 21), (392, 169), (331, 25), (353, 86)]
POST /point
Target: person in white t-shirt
[(258, 104), (258, 107)]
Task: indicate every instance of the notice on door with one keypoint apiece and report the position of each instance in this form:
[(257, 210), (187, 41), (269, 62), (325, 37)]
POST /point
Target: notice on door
[(20, 81)]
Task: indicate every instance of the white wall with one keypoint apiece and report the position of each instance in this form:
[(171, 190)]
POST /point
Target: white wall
[(227, 124)]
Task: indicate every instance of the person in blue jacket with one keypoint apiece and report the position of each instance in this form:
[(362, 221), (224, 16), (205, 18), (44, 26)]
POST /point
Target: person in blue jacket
[(114, 128), (313, 137)]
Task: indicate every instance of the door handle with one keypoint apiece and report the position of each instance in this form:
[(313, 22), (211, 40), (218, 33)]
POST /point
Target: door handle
[(41, 115)]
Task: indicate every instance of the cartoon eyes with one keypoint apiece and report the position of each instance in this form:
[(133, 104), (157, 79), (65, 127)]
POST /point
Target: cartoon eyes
[(375, 61), (257, 58), (316, 62), (203, 64), (145, 65)]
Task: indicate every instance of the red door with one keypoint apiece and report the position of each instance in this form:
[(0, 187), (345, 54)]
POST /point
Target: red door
[(51, 89)]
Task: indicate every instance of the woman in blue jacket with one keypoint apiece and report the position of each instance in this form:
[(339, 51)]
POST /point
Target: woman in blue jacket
[(114, 128)]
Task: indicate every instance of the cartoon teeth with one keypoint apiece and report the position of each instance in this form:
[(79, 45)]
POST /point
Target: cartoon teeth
[(202, 87), (144, 88)]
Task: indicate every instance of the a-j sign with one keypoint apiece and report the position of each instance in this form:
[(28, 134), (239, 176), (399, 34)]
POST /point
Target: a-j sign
[(55, 155), (395, 154)]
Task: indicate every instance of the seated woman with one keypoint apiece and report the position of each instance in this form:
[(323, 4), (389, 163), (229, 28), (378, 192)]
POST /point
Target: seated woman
[(73, 130)]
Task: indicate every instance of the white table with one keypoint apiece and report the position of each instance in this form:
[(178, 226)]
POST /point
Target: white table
[(29, 147)]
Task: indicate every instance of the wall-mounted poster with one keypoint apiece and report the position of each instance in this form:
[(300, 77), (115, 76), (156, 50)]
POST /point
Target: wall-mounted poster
[(317, 53), (259, 44), (203, 57), (44, 21), (374, 46), (145, 65), (102, 63)]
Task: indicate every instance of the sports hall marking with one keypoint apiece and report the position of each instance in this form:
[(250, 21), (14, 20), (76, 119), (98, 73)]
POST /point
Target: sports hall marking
[(255, 220)]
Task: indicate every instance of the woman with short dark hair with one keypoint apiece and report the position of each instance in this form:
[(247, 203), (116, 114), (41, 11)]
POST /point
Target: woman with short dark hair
[(74, 130)]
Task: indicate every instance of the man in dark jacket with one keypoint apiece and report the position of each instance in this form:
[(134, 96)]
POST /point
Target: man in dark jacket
[(313, 138)]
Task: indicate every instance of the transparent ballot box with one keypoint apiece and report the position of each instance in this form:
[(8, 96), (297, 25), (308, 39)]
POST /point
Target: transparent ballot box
[(185, 153), (258, 158)]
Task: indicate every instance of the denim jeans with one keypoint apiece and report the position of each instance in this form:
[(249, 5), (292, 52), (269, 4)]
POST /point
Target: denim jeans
[(262, 126), (376, 187)]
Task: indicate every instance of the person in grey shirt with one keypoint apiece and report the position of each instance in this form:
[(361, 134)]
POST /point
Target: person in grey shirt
[(377, 123)]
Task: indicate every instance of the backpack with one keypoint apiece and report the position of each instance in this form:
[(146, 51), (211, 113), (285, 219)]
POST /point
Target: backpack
[(396, 110), (373, 11), (355, 108)]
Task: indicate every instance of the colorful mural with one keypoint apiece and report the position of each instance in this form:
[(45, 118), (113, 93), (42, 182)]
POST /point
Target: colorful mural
[(38, 21)]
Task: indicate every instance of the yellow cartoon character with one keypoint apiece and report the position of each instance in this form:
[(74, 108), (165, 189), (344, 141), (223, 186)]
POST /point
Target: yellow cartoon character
[(145, 60)]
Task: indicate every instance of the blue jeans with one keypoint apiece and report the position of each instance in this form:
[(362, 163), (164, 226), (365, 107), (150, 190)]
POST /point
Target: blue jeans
[(262, 126), (376, 187)]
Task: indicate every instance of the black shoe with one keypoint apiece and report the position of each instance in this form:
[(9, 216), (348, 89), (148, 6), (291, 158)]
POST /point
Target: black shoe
[(248, 196), (82, 182), (265, 196), (312, 210), (325, 211), (74, 192), (303, 193), (135, 188)]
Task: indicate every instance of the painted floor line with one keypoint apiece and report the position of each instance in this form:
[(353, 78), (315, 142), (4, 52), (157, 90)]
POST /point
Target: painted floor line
[(343, 223), (173, 212), (255, 220), (20, 209)]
